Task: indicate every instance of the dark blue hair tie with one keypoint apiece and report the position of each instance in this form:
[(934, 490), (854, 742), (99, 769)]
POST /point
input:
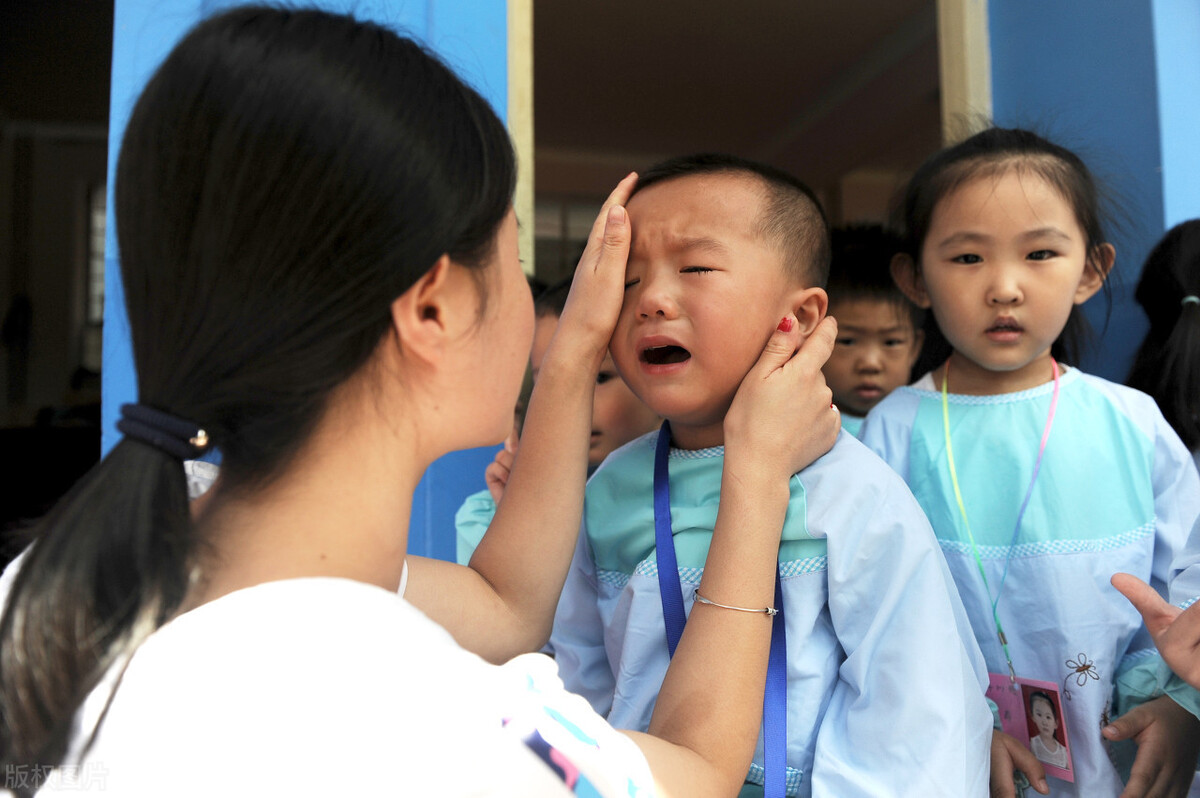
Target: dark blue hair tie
[(181, 439)]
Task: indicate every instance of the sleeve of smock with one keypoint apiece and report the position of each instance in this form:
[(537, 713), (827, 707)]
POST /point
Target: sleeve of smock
[(578, 635), (1176, 509), (472, 521), (908, 714), (887, 430)]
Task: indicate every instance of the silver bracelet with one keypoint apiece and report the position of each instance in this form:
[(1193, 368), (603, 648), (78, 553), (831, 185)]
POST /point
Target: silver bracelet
[(763, 610)]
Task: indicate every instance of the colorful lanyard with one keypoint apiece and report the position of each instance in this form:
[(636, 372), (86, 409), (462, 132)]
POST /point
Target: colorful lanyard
[(671, 594), (1037, 467)]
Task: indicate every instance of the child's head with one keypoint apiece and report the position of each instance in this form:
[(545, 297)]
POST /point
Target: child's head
[(1168, 364), (879, 330), (1002, 237), (617, 415), (722, 250), (1041, 708)]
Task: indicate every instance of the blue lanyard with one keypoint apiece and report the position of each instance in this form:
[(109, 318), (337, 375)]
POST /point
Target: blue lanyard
[(775, 695)]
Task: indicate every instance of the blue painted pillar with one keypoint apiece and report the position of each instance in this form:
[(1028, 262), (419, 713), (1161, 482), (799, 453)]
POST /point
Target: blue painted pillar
[(472, 37), (1118, 81)]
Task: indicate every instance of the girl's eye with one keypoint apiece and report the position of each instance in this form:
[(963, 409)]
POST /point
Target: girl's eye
[(895, 342), (697, 270), (967, 258), (844, 341), (1042, 254), (604, 377)]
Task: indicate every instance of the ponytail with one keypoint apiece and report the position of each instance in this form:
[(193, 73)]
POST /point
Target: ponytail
[(108, 567), (1167, 365)]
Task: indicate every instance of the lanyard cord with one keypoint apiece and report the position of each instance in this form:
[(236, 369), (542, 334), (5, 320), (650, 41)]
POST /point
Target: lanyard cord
[(671, 595), (962, 509)]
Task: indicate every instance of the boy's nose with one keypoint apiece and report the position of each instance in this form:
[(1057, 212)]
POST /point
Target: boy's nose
[(870, 361), (655, 299)]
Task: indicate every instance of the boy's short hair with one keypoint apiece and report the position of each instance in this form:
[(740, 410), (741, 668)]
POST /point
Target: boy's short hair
[(552, 301), (793, 220), (861, 269)]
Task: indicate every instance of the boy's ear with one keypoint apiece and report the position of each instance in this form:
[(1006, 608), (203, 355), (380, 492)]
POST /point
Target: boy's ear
[(420, 316), (908, 279), (1095, 272), (810, 306)]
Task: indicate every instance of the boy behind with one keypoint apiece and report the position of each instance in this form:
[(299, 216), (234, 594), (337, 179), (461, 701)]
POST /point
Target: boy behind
[(617, 418), (882, 696), (879, 329)]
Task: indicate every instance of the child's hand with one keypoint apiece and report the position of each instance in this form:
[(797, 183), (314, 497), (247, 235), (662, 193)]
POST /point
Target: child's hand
[(496, 474), (1168, 740), (1009, 755), (1176, 632), (599, 284), (782, 418)]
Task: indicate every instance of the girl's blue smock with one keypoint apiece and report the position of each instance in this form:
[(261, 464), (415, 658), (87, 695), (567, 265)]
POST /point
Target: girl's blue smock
[(1117, 491)]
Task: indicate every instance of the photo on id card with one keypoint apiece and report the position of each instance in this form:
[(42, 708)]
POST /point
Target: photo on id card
[(1032, 712)]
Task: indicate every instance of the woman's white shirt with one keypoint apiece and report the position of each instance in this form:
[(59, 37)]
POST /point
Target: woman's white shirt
[(334, 687)]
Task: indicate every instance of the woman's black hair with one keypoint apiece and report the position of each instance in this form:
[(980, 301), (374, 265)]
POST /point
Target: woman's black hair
[(284, 177), (1168, 364), (990, 153)]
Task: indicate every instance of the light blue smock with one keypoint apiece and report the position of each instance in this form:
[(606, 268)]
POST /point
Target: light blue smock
[(1117, 491), (471, 521), (852, 423), (884, 696)]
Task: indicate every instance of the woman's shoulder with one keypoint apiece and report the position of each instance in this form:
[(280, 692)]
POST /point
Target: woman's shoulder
[(316, 685)]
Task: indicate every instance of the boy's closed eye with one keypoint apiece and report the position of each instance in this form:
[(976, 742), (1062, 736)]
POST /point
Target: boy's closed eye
[(697, 270), (604, 377)]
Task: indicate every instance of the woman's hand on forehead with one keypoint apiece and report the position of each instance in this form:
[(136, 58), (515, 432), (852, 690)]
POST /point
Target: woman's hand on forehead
[(598, 287)]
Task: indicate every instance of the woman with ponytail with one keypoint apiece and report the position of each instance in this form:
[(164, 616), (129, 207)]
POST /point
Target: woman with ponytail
[(319, 257), (1168, 364)]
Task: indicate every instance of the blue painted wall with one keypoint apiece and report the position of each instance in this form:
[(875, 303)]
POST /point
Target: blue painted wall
[(471, 35), (1118, 81), (1177, 56)]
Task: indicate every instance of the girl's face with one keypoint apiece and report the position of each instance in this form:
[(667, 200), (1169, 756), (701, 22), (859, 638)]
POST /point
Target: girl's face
[(1002, 265), (1043, 717)]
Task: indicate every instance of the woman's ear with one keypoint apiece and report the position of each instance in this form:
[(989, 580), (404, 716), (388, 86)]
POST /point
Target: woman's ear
[(810, 306), (420, 316), (908, 279), (1095, 272)]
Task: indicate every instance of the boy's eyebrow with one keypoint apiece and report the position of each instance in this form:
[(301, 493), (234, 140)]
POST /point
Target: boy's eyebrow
[(886, 330), (701, 243)]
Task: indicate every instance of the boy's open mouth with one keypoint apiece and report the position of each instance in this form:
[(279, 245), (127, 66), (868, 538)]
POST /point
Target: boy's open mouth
[(663, 355)]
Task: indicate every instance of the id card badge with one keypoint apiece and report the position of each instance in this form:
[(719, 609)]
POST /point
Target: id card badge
[(1032, 712)]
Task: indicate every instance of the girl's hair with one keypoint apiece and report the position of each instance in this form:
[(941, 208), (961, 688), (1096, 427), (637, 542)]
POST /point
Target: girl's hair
[(1168, 364), (991, 153), (1045, 697), (284, 177)]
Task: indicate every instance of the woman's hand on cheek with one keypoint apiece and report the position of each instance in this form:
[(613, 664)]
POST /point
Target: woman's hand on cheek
[(782, 418), (599, 284)]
